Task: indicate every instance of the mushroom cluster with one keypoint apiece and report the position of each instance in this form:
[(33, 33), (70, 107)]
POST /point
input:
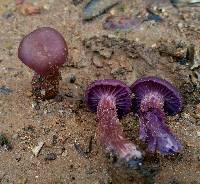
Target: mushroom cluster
[(44, 50), (153, 99)]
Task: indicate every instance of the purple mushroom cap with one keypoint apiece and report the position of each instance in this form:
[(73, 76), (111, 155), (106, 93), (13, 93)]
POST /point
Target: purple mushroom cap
[(172, 98), (44, 50), (115, 88)]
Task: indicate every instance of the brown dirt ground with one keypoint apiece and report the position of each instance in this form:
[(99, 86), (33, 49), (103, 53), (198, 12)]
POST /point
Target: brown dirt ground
[(61, 122)]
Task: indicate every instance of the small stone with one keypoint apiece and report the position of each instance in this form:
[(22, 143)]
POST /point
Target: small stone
[(97, 61), (4, 142), (7, 14), (198, 108), (83, 63), (77, 2), (18, 2), (173, 181), (118, 71), (106, 53), (5, 90), (18, 157), (60, 151), (72, 78), (15, 136), (8, 45), (89, 171), (64, 154), (2, 174), (28, 93), (180, 25), (21, 180), (46, 7), (198, 134), (35, 105), (51, 156), (37, 148), (29, 128), (43, 92), (30, 9), (54, 140)]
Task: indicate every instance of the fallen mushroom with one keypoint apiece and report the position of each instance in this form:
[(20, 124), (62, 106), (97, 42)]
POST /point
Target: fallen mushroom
[(153, 98), (110, 99), (44, 50)]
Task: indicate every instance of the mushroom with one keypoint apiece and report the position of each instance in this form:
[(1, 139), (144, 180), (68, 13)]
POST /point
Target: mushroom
[(155, 97), (44, 50), (110, 99)]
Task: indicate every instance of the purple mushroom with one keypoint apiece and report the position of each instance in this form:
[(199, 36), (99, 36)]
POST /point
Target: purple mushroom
[(44, 50), (155, 97), (110, 99)]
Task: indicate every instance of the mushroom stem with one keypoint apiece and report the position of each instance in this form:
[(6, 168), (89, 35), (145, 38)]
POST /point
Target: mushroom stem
[(153, 128), (110, 132), (46, 87)]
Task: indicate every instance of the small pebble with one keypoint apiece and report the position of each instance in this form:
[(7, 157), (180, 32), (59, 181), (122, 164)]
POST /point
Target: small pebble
[(54, 139), (106, 53), (35, 105), (21, 180), (72, 78), (15, 136), (4, 142), (198, 134), (154, 17), (30, 9), (89, 171), (28, 93), (50, 156), (7, 14), (64, 154), (173, 181), (97, 61), (18, 157), (46, 7), (18, 2), (180, 25), (5, 90), (37, 148), (77, 2)]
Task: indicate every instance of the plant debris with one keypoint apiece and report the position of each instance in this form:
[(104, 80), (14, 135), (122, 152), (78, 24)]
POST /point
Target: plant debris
[(97, 7)]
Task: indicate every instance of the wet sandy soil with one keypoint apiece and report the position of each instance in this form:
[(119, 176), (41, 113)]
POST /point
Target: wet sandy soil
[(61, 123)]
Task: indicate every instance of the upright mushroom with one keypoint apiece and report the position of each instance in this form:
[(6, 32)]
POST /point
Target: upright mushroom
[(155, 97), (110, 99), (44, 50)]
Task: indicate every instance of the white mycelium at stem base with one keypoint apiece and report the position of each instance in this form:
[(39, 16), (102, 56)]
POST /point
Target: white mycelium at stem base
[(110, 132)]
